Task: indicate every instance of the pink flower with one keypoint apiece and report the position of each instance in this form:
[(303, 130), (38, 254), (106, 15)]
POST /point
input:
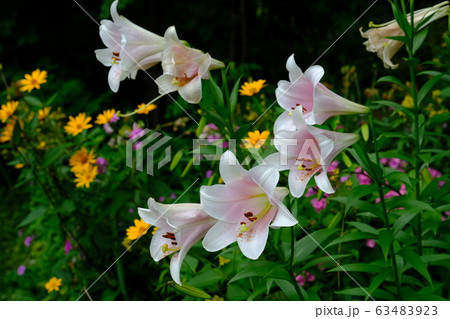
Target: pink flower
[(362, 177), (333, 166), (161, 199), (310, 277), (173, 195), (319, 205), (129, 48), (180, 226), (102, 164), (245, 206), (301, 280), (28, 240), (344, 178), (184, 68), (108, 129), (21, 270), (306, 151), (208, 173), (370, 243), (384, 160), (67, 246), (434, 172), (304, 91), (310, 192)]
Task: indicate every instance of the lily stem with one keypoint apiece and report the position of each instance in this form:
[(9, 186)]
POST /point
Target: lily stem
[(137, 111), (383, 205)]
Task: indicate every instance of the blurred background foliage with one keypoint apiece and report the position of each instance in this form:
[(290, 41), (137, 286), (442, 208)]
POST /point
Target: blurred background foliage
[(257, 35)]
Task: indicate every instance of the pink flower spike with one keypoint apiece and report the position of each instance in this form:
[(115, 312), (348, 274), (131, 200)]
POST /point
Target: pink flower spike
[(301, 280), (67, 246), (245, 206), (319, 205), (370, 243), (180, 226), (208, 173), (304, 91), (27, 241), (21, 270), (310, 277)]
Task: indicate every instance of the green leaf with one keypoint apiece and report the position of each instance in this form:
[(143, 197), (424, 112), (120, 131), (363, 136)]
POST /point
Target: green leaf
[(404, 219), (51, 99), (67, 207), (188, 167), (392, 79), (356, 193), (377, 294), (411, 204), (365, 132), (33, 101), (435, 258), (264, 269), (36, 213), (358, 267), (288, 288), (234, 96), (385, 238), (414, 260), (305, 246), (209, 277), (351, 237), (217, 93), (176, 160), (427, 87), (419, 38), (397, 107), (336, 219), (364, 227), (201, 126), (376, 281), (54, 154), (190, 291)]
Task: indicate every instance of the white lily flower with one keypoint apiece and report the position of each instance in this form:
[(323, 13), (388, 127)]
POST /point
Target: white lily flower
[(129, 48), (304, 90), (306, 151), (245, 206), (180, 226), (387, 48), (184, 68)]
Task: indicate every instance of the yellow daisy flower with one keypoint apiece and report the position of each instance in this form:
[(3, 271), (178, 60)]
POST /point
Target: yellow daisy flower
[(53, 284), (140, 227), (251, 88), (43, 113), (19, 165), (256, 139), (33, 81), (145, 110), (41, 145), (7, 133), (78, 124), (7, 110), (126, 243), (81, 160), (408, 101), (105, 117), (86, 176), (223, 261)]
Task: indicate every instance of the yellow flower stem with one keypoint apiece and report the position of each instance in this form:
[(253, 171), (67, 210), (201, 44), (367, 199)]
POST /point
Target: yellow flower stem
[(132, 113)]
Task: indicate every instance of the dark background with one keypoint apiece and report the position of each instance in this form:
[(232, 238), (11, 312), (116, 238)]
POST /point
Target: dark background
[(59, 37)]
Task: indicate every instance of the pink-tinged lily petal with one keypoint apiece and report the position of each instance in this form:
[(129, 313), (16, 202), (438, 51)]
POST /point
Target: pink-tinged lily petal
[(313, 153), (229, 168), (283, 218), (253, 241), (245, 206), (183, 68), (377, 37), (180, 227), (130, 47), (316, 101), (220, 236)]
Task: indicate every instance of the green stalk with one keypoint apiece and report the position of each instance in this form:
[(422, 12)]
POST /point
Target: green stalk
[(415, 125), (383, 205)]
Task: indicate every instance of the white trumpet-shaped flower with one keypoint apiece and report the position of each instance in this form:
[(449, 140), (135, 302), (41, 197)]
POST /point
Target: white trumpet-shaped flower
[(385, 48), (129, 48), (184, 68), (180, 226), (306, 151), (245, 206), (304, 91)]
